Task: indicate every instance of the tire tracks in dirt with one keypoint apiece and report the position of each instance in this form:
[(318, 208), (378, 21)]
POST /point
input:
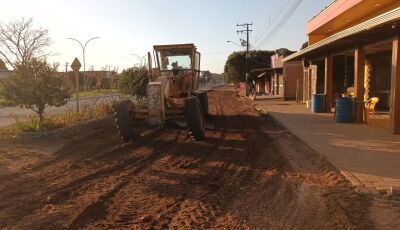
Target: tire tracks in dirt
[(91, 212), (225, 181), (248, 173), (166, 212), (98, 181)]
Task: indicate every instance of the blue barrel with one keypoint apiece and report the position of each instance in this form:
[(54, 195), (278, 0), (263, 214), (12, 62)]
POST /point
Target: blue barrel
[(318, 103), (344, 110)]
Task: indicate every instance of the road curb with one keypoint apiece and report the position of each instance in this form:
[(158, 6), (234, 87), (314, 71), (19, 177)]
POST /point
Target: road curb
[(95, 97), (88, 126)]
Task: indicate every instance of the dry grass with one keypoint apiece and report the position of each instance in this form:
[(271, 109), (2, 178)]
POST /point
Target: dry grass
[(50, 122)]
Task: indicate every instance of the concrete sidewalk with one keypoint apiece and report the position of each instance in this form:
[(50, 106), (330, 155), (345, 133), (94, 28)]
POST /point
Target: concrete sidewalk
[(369, 156)]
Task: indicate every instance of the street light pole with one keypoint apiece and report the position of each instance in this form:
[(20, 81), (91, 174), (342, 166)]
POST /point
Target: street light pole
[(140, 58), (84, 61), (234, 43)]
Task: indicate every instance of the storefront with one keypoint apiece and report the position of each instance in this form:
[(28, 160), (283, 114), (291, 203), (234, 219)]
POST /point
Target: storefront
[(359, 60)]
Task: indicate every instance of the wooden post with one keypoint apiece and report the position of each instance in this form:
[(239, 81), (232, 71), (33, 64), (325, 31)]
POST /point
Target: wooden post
[(305, 84), (395, 88), (297, 90), (77, 90), (359, 75), (346, 73), (76, 65), (328, 83)]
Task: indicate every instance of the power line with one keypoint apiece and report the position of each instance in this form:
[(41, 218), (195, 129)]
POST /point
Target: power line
[(251, 8), (267, 25), (281, 20)]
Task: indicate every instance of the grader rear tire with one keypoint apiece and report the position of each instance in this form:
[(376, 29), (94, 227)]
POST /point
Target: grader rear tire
[(124, 120), (195, 118)]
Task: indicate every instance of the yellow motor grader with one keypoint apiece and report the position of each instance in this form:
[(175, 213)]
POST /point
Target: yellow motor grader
[(172, 93)]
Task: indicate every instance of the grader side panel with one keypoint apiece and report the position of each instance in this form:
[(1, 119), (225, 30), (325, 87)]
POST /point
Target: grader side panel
[(155, 105)]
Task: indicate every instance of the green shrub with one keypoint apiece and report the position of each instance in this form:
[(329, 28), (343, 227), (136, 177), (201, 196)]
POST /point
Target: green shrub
[(133, 81)]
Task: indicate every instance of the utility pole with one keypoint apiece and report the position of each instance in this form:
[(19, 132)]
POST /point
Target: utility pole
[(66, 69), (247, 31), (109, 74), (108, 69)]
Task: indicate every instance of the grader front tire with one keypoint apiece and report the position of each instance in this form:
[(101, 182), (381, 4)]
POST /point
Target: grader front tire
[(195, 118), (124, 120)]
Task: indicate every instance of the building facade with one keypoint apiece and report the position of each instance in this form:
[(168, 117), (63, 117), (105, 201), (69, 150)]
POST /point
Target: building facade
[(353, 48), (281, 79)]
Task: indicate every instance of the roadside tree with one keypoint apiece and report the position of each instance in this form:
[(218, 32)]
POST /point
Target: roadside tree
[(235, 66), (133, 81), (205, 77), (304, 45), (34, 86), (3, 65), (33, 83), (20, 42)]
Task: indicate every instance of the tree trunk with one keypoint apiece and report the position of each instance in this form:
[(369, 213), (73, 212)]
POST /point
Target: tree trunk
[(41, 116)]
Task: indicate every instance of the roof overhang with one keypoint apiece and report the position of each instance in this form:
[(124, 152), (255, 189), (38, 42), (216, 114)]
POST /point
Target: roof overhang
[(342, 14), (175, 46), (378, 27), (265, 69)]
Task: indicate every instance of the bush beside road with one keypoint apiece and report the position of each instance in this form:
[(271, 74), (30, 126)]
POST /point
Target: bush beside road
[(9, 115)]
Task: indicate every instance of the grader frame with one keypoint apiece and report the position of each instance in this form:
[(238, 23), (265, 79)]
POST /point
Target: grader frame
[(172, 93)]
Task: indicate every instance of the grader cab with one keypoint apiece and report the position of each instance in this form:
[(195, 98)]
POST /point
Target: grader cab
[(172, 93)]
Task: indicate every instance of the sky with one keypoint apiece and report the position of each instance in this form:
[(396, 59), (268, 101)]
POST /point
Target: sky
[(127, 27)]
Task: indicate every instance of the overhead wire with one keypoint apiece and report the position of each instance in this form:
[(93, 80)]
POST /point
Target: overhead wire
[(280, 21), (251, 9), (283, 15), (267, 25)]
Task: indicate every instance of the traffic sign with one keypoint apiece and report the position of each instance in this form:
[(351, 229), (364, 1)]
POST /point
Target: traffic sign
[(76, 65)]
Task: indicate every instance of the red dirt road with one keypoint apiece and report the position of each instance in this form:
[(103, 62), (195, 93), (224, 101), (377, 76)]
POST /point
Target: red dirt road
[(249, 173)]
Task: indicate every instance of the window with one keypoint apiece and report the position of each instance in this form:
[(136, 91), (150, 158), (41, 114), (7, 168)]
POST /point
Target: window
[(177, 58)]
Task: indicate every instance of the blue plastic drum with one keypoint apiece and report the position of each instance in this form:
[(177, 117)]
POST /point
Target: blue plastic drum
[(318, 103), (344, 110)]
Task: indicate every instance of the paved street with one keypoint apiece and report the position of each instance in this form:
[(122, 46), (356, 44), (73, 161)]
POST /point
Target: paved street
[(8, 115)]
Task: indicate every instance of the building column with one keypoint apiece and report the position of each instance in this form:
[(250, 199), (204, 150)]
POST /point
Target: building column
[(328, 83), (359, 74), (346, 73), (395, 88)]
